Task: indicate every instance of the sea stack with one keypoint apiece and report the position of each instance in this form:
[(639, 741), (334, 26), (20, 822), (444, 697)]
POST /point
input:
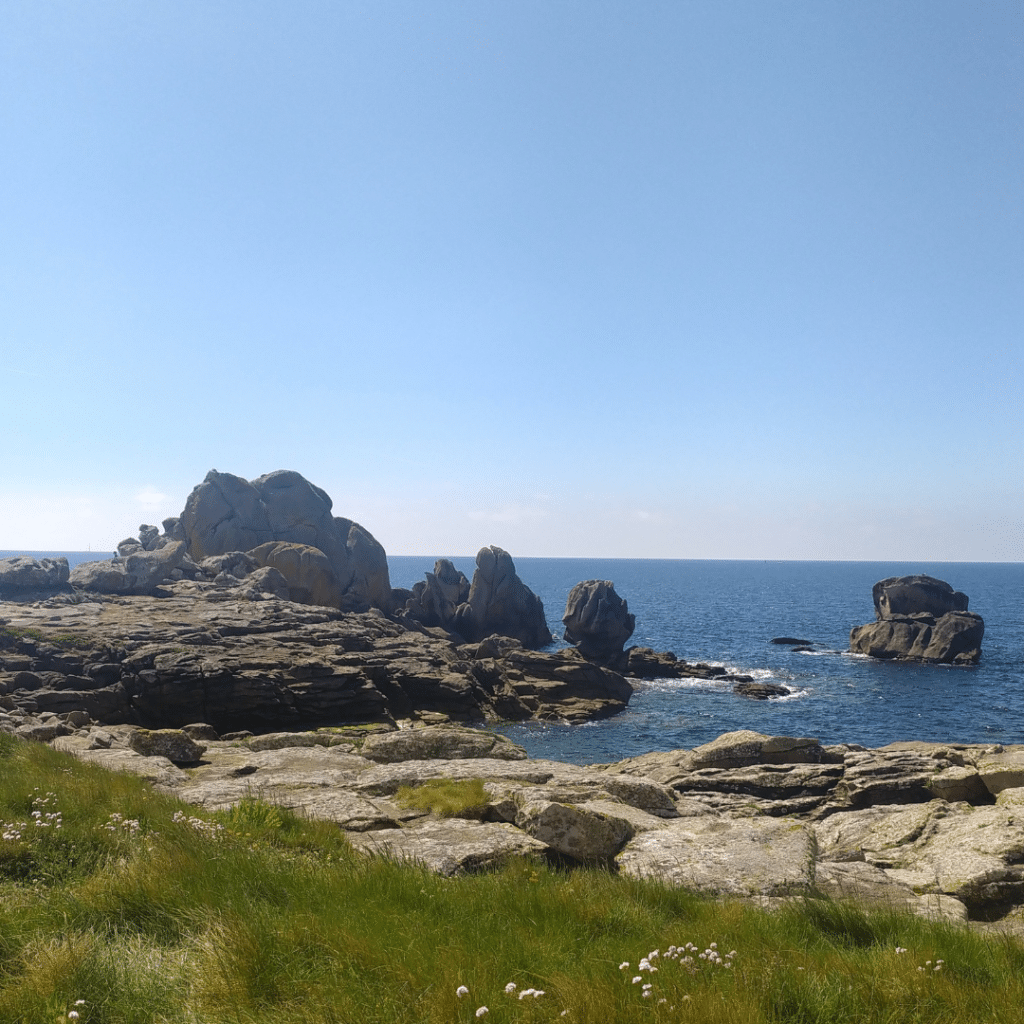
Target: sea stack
[(920, 618)]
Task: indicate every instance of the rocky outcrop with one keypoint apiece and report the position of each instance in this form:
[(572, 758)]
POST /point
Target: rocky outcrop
[(307, 571), (916, 595), (140, 572), (22, 575), (435, 600), (748, 815), (919, 618), (598, 622), (231, 653), (499, 602), (226, 513)]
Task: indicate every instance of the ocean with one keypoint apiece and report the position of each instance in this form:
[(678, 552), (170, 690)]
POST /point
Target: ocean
[(726, 612)]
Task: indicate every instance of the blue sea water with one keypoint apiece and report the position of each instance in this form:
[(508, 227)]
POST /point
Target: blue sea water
[(726, 612)]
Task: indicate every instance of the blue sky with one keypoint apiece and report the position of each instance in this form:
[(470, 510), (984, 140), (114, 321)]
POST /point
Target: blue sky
[(716, 279)]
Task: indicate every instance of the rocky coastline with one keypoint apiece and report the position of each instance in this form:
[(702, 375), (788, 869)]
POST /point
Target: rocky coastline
[(255, 647), (932, 829)]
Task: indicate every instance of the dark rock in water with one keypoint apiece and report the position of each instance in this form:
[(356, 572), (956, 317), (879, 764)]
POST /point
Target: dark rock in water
[(919, 618), (760, 691), (499, 602), (22, 574), (597, 621), (645, 663), (226, 513), (911, 595), (789, 640)]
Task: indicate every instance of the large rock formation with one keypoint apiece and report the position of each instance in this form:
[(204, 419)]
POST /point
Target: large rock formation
[(499, 602), (598, 622), (22, 574), (226, 513), (919, 618)]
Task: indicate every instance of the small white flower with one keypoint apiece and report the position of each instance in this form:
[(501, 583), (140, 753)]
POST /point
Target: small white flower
[(510, 987), (901, 949), (481, 1011), (647, 994), (637, 980), (624, 965), (72, 1015), (462, 991)]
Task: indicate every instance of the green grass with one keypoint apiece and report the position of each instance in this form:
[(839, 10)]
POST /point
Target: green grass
[(153, 911), (447, 798), (11, 635)]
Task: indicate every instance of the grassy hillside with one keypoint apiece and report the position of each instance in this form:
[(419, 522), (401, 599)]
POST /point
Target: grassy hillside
[(119, 905)]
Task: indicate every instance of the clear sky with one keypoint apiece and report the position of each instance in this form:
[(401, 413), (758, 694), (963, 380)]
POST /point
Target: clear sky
[(692, 279)]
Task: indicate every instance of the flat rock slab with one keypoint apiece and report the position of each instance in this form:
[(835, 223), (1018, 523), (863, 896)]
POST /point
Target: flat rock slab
[(451, 846), (750, 857)]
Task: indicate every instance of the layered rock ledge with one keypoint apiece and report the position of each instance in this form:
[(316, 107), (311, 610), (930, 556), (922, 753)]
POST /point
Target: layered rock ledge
[(240, 657), (930, 828)]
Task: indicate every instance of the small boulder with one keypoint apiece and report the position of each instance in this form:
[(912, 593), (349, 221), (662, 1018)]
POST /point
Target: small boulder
[(575, 831), (311, 578), (174, 744)]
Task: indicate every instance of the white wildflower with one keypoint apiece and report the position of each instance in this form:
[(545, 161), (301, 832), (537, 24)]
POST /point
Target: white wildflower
[(624, 965), (462, 991), (510, 987), (637, 980), (481, 1011)]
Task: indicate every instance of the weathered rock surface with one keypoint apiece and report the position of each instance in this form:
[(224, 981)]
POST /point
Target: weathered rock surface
[(707, 819), (174, 744), (237, 657), (435, 600), (920, 618), (913, 595), (712, 854), (22, 574), (138, 573), (499, 602), (226, 513), (598, 622)]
